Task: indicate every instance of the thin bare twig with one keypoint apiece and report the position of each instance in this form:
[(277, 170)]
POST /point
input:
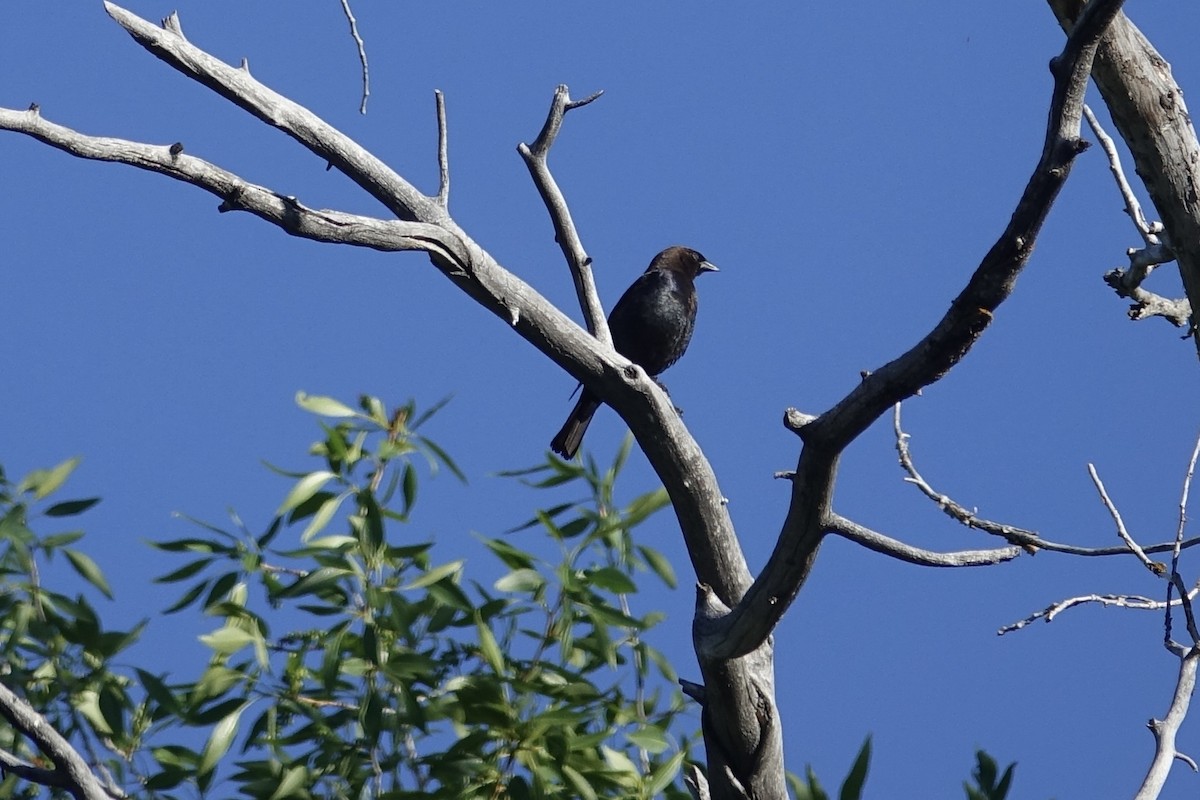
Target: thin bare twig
[(1027, 539), (1183, 501), (1119, 600), (362, 55), (1031, 541), (565, 233), (1153, 566), (1133, 208)]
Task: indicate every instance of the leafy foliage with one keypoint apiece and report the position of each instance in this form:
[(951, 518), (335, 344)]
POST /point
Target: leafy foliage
[(989, 783), (347, 662), (809, 788)]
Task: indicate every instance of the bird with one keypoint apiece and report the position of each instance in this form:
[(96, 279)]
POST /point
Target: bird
[(651, 325)]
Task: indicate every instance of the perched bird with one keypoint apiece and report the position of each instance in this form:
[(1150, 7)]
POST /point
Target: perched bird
[(651, 325)]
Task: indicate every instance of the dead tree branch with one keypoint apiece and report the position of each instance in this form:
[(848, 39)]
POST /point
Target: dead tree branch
[(565, 233), (1147, 107), (1031, 541), (1143, 260), (809, 515)]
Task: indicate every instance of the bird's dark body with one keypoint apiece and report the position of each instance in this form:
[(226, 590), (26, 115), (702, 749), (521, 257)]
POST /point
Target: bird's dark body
[(651, 325)]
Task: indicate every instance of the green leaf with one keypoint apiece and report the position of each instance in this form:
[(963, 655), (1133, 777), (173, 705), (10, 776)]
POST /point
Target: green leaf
[(88, 570), (188, 598), (642, 507), (190, 545), (445, 459), (434, 575), (322, 517), (219, 741), (425, 415), (59, 539), (650, 738), (410, 487), (489, 648), (305, 488), (582, 786), (184, 572), (664, 774), (112, 707), (853, 785), (88, 704), (70, 508), (521, 580), (158, 691), (612, 579), (659, 564), (324, 406), (44, 482), (292, 782), (312, 583), (227, 640)]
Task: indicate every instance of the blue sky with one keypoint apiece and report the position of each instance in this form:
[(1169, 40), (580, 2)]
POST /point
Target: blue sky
[(845, 171)]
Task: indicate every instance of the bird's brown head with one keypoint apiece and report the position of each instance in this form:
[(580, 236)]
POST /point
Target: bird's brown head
[(684, 260)]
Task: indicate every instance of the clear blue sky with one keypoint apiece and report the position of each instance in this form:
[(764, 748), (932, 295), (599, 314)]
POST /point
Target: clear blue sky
[(846, 166)]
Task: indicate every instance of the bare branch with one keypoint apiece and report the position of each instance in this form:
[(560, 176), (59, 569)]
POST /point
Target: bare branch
[(362, 55), (809, 514), (443, 195), (321, 138), (1025, 538), (1185, 600), (1148, 109), (1119, 600), (1155, 567), (1143, 261), (1147, 304), (1165, 730), (71, 772), (1176, 581), (1183, 501), (1133, 208), (915, 555), (1031, 541), (237, 194), (579, 262)]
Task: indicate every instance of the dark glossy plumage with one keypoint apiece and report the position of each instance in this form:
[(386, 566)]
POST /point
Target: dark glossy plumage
[(651, 325)]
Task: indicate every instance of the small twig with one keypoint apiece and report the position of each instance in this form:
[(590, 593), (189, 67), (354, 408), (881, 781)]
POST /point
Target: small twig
[(565, 234), (1031, 541), (1132, 207), (1153, 566), (443, 195), (1186, 602), (362, 55), (1119, 600), (1020, 536), (1175, 579)]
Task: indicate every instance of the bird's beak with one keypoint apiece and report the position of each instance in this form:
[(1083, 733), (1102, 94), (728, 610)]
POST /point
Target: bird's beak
[(708, 266)]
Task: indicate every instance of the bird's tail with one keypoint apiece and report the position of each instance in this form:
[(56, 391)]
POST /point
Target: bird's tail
[(567, 442)]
